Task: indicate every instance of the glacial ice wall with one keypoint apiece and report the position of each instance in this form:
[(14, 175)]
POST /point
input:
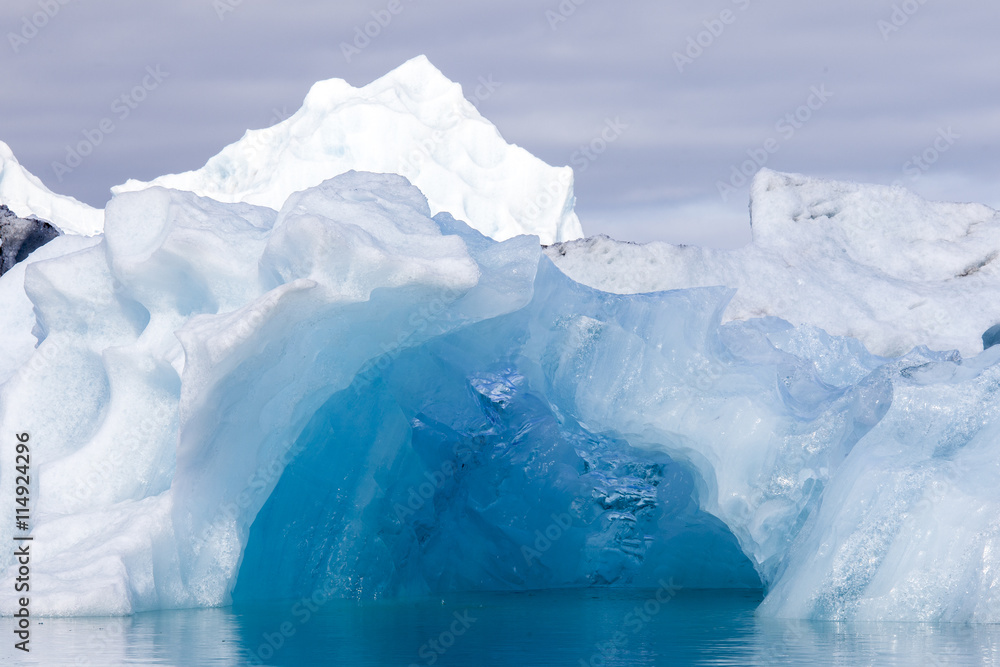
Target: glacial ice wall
[(876, 263), (232, 402)]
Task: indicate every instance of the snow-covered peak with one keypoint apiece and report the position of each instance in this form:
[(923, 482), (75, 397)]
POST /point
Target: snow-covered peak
[(24, 194), (413, 121)]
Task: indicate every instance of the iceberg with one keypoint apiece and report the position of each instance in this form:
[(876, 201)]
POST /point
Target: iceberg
[(249, 387), (148, 497), (413, 121), (877, 263), (350, 394)]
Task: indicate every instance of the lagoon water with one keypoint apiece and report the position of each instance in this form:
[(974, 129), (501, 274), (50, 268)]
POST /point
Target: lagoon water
[(560, 628)]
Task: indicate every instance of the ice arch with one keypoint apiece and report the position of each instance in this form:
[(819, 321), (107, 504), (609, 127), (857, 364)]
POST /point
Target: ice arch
[(450, 470)]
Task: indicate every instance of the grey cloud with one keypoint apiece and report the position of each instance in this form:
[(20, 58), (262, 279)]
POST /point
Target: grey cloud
[(686, 130)]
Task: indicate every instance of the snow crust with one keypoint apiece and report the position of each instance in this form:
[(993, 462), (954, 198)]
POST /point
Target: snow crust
[(229, 402), (413, 121), (872, 262), (25, 195)]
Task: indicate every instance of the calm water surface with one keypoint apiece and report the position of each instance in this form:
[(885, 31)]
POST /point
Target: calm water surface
[(578, 628)]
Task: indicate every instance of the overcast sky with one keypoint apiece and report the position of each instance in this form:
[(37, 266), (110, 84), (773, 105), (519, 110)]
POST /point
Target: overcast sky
[(702, 87)]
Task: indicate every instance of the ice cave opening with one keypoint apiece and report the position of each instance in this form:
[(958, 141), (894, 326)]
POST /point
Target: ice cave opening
[(438, 472)]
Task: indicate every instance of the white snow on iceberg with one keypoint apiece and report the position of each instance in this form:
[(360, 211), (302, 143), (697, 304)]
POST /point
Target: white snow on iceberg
[(872, 262), (413, 121), (24, 194)]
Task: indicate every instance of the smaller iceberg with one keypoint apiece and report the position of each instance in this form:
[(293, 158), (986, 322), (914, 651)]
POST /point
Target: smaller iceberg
[(871, 262)]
